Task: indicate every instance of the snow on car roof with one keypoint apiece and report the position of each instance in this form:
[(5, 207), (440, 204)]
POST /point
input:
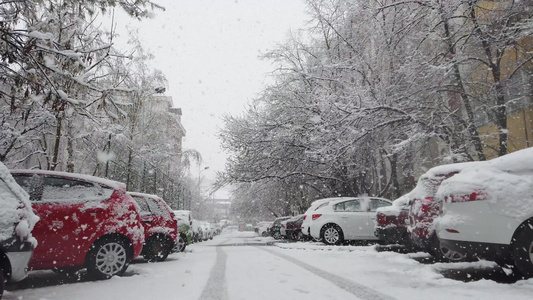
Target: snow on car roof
[(425, 189), (182, 212), (502, 180), (102, 181), (518, 162), (443, 170)]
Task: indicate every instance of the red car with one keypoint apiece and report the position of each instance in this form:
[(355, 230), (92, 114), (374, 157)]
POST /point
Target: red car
[(293, 228), (391, 223), (85, 222), (160, 226), (424, 209)]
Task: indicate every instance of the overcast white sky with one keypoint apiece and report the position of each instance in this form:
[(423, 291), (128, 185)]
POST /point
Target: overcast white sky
[(209, 51)]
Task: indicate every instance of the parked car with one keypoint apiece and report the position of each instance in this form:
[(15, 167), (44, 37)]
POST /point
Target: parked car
[(307, 215), (346, 219), (293, 227), (16, 223), (488, 211), (185, 238), (262, 228), (160, 226), (207, 231), (391, 223), (197, 231), (276, 227), (424, 208), (85, 222)]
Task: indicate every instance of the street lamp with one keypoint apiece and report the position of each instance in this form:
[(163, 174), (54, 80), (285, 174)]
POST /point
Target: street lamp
[(199, 185), (200, 172)]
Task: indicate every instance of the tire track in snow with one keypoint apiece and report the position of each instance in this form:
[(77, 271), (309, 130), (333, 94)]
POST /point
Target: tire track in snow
[(216, 288), (358, 290)]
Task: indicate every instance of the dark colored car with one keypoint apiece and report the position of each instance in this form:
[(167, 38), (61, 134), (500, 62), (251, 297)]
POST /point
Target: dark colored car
[(16, 223), (293, 228), (276, 226), (85, 222), (160, 226), (391, 223)]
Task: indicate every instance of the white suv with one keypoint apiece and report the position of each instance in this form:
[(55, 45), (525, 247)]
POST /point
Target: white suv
[(16, 222), (488, 211), (346, 219)]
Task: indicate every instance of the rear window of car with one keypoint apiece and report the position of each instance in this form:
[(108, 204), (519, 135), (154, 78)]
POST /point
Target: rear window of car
[(375, 203), (352, 205), (57, 189), (143, 205), (322, 205)]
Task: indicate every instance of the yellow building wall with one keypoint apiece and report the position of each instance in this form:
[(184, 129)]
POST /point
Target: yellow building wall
[(520, 126)]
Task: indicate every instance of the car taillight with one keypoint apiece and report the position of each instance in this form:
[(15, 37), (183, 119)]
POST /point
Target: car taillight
[(316, 216), (474, 196), (282, 225), (424, 206), (382, 219), (305, 217)]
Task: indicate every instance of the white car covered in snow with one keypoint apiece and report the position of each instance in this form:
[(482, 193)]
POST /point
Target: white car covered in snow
[(488, 211), (346, 219), (262, 228), (16, 223), (308, 213)]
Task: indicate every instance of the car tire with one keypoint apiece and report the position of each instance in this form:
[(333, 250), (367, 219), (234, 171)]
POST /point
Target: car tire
[(264, 234), (108, 257), (331, 234), (442, 253), (277, 235), (181, 243), (522, 248), (157, 248)]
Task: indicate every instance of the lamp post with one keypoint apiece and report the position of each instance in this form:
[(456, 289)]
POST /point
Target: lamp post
[(199, 185)]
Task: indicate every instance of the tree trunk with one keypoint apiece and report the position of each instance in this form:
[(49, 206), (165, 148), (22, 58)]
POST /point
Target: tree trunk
[(458, 81), (54, 162), (70, 147)]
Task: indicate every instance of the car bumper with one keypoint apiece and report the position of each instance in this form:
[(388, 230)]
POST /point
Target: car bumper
[(495, 252), (314, 231), (392, 235), (19, 264)]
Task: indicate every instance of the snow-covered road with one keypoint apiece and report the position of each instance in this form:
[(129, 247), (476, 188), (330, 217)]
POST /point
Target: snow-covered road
[(240, 265)]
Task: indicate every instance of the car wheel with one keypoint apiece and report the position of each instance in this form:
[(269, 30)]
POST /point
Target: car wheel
[(442, 253), (108, 257), (449, 255), (331, 234), (277, 235), (523, 250), (300, 236), (181, 243), (157, 248), (264, 234)]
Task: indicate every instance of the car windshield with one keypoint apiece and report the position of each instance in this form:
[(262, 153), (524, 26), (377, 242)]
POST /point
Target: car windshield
[(250, 149)]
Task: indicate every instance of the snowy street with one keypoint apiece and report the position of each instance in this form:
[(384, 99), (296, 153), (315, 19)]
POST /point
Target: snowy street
[(240, 265)]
